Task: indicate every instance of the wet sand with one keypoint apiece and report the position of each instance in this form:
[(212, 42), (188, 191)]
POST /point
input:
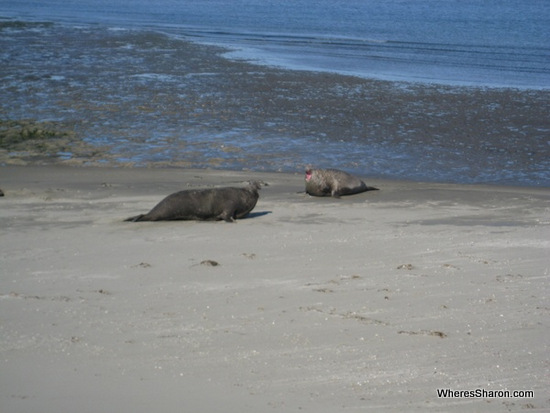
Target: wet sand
[(369, 302), (141, 98)]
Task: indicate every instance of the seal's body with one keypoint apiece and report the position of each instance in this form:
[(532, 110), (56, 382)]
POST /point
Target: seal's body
[(333, 182), (204, 205)]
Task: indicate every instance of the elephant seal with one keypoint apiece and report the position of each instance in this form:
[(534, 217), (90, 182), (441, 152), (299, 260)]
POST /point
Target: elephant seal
[(333, 182), (204, 205)]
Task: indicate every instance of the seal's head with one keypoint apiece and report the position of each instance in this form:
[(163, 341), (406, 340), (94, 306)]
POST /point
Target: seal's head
[(254, 185), (309, 173)]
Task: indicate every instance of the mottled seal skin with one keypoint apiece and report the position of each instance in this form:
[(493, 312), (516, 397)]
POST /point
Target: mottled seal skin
[(333, 182), (204, 205)]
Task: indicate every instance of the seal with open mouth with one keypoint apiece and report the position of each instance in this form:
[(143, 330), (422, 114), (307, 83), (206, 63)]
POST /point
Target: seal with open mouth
[(333, 182)]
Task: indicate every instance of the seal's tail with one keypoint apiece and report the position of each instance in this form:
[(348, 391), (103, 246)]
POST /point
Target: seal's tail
[(136, 218), (372, 188)]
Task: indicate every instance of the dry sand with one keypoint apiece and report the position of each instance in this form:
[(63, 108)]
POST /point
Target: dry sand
[(366, 303)]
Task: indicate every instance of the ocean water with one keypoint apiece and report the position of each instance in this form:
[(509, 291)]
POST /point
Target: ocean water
[(453, 91), (464, 42)]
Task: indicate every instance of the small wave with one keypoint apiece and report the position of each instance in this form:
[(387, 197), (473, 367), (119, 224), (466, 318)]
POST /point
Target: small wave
[(226, 37), (17, 25), (156, 76)]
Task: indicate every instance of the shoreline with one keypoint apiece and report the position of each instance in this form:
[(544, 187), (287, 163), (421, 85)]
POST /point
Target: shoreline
[(195, 108), (169, 173), (317, 304), (167, 170), (236, 54)]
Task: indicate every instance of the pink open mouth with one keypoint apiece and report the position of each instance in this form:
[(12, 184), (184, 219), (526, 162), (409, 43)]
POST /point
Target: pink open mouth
[(308, 175)]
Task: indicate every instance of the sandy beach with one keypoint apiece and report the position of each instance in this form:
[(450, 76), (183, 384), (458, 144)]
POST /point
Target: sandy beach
[(367, 303)]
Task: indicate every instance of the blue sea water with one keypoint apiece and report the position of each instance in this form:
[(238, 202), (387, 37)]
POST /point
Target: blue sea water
[(503, 43), (102, 68)]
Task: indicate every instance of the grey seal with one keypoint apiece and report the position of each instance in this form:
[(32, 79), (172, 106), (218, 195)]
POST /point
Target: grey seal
[(333, 182), (212, 204)]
